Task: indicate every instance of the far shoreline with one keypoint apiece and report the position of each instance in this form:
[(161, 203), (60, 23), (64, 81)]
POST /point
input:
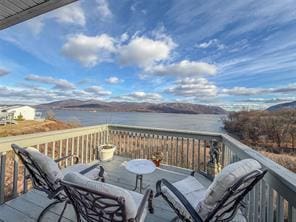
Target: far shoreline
[(108, 111)]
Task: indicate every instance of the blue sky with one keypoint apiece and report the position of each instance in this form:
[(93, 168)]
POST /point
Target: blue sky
[(227, 53)]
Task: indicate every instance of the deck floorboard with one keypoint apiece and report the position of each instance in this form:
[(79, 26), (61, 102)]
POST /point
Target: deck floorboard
[(27, 207)]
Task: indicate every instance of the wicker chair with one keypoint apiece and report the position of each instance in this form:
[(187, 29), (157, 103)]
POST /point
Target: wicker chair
[(97, 201), (47, 179), (222, 201)]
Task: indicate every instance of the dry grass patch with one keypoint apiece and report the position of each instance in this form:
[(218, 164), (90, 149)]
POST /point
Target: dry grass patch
[(32, 126), (286, 160)]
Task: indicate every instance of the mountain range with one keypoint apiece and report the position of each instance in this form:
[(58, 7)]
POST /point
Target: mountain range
[(289, 105), (96, 105)]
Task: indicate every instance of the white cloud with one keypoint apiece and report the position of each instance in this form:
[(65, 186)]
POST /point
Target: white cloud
[(213, 43), (98, 91), (3, 72), (269, 100), (183, 68), (124, 37), (70, 14), (142, 51), (140, 96), (103, 9), (32, 95), (139, 51), (35, 25), (239, 17), (288, 89), (89, 50), (113, 80), (193, 87), (245, 91), (60, 84)]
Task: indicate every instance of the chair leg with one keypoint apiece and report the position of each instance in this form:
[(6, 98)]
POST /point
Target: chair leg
[(77, 214), (150, 205), (47, 208), (63, 211)]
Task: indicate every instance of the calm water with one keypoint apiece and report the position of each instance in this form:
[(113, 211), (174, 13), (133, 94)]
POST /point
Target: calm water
[(201, 122)]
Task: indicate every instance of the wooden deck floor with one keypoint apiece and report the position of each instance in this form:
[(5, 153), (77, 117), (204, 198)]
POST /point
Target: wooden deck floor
[(28, 206)]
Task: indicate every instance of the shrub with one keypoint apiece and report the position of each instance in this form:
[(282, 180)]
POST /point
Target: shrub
[(20, 117), (269, 132), (50, 115)]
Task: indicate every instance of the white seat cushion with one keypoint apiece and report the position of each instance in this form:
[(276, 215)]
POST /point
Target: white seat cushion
[(52, 170), (204, 200), (130, 203), (93, 174), (191, 189), (239, 217), (138, 198), (223, 181), (46, 164)]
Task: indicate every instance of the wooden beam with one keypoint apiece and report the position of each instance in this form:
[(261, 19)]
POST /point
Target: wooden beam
[(32, 12)]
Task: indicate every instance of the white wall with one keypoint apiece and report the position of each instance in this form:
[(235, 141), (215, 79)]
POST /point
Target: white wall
[(27, 112)]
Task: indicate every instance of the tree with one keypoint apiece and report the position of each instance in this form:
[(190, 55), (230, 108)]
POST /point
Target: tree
[(50, 115), (20, 117)]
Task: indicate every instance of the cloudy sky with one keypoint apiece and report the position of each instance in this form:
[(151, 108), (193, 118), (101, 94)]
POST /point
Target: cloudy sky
[(228, 53)]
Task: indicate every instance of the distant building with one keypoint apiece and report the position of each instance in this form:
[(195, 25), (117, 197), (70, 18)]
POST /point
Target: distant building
[(27, 112)]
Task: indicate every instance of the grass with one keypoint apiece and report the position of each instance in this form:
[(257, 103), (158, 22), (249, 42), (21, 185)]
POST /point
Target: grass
[(286, 160), (32, 126)]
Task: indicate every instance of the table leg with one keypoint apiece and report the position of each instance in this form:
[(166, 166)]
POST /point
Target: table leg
[(140, 178), (141, 182), (137, 177)]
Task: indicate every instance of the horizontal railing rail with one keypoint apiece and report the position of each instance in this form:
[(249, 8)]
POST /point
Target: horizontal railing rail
[(29, 139), (273, 199)]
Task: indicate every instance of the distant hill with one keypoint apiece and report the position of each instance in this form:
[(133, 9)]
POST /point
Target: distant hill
[(90, 105), (290, 105)]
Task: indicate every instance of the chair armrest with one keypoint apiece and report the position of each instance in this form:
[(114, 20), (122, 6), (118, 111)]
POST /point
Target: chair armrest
[(90, 168), (67, 157), (180, 196), (143, 203)]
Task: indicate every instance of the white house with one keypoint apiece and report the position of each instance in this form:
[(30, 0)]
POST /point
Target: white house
[(27, 112)]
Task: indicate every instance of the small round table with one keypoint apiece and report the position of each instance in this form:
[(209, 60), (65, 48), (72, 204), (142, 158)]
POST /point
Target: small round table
[(140, 167)]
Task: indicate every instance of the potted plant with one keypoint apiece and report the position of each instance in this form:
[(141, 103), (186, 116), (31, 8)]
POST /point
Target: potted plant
[(157, 158), (106, 152)]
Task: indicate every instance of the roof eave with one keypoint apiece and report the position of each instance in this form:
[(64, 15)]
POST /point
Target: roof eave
[(33, 12)]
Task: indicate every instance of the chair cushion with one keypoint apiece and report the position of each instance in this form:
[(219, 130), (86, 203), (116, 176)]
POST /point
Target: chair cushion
[(191, 189), (52, 170), (93, 174), (223, 181), (46, 164), (80, 180), (138, 199), (195, 193), (239, 217)]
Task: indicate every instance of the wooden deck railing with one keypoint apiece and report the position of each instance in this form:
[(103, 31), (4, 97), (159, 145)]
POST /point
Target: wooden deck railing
[(78, 141), (274, 199)]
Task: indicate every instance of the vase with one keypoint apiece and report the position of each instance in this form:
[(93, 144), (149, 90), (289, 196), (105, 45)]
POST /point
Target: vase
[(106, 152), (156, 162), (157, 158)]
